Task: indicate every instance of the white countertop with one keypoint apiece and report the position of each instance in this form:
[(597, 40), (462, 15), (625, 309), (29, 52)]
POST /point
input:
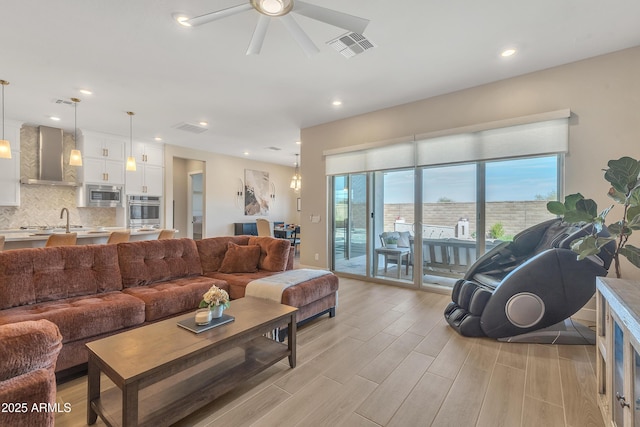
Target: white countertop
[(83, 233)]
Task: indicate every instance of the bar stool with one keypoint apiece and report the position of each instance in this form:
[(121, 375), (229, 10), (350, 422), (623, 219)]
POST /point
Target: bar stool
[(62, 239), (166, 234), (118, 237)]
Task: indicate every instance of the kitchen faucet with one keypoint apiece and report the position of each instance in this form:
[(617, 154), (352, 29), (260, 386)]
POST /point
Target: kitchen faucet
[(62, 214)]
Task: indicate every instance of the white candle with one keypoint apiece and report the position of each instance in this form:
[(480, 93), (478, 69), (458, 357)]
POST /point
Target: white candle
[(202, 317)]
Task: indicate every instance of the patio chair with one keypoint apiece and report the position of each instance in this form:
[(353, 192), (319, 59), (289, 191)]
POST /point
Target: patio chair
[(397, 257), (526, 290)]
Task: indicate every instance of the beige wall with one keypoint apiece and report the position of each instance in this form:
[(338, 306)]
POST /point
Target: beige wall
[(222, 178), (603, 94)]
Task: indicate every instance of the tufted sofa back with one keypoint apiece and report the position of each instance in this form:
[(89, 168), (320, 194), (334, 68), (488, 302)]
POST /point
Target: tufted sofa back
[(150, 261), (33, 275)]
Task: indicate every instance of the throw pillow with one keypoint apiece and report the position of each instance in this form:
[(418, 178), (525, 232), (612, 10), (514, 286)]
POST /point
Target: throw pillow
[(240, 259)]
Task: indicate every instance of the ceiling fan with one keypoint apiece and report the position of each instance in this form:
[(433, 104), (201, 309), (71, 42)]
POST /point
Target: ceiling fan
[(282, 9)]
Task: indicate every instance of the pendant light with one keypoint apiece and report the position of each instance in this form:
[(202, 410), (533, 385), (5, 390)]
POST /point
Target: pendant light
[(296, 181), (5, 146), (131, 161), (75, 158)]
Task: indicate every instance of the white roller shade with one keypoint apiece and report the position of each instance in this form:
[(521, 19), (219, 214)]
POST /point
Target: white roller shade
[(394, 156), (538, 134), (531, 139)]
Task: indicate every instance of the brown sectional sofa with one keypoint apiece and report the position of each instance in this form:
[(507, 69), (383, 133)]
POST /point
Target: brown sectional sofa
[(92, 291)]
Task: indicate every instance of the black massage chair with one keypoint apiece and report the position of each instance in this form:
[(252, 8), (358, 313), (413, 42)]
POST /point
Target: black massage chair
[(526, 290)]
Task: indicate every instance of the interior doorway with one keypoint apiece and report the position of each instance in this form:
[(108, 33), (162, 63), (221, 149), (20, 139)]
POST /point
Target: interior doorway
[(189, 198), (195, 205)]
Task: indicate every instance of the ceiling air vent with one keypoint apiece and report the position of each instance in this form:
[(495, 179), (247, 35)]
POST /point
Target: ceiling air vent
[(351, 44), (190, 127), (274, 148)]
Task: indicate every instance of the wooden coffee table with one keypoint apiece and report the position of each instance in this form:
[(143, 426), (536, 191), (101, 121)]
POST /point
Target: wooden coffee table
[(164, 372)]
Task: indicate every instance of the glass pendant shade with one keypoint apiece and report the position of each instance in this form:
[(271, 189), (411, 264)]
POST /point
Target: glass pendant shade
[(5, 149), (296, 180), (75, 159), (5, 145), (131, 164), (131, 161)]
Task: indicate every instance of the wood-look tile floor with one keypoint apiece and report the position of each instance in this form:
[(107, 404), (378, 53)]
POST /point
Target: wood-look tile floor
[(389, 359)]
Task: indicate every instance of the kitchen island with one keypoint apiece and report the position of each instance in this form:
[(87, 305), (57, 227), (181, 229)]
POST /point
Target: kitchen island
[(16, 239)]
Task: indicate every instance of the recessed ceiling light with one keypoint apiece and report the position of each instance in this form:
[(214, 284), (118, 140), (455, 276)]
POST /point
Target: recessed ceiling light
[(246, 153), (54, 118), (203, 123), (298, 142), (507, 53), (182, 20), (336, 103), (86, 91), (157, 138)]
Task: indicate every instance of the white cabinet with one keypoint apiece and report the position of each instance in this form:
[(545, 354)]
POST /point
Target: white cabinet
[(99, 171), (617, 351), (102, 158), (10, 168), (148, 153), (148, 177)]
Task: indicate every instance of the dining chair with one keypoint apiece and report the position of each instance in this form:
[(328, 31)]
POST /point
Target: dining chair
[(265, 227), (62, 239), (295, 239), (1, 242), (166, 234), (119, 237)]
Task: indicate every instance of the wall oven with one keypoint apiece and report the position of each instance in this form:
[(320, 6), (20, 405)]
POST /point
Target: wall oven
[(143, 211)]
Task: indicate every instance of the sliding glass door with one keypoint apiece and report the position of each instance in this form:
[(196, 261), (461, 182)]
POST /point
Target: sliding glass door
[(349, 224), (450, 215)]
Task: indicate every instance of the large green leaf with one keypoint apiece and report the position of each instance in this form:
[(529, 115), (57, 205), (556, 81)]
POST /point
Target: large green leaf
[(623, 173), (576, 217), (618, 196), (634, 220), (587, 206), (556, 208), (632, 254), (571, 200), (585, 247), (634, 196)]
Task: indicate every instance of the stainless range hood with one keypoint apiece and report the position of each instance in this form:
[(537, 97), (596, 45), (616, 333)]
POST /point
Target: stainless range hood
[(50, 149)]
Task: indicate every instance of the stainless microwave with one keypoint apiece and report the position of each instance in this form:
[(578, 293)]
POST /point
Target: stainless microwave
[(100, 196)]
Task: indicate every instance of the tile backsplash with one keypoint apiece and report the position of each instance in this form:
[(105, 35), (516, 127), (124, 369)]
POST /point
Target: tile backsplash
[(40, 205)]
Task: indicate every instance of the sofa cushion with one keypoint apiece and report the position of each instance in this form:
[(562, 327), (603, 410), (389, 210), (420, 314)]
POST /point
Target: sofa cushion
[(274, 252), (83, 317), (240, 259), (213, 249), (173, 297), (150, 261), (32, 275), (237, 282)]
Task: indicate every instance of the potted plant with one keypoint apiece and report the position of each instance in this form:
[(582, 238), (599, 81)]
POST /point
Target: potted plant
[(391, 241), (213, 303), (624, 176)]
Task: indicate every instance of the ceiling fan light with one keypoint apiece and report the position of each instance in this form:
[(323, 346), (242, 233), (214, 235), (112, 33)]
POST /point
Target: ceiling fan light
[(273, 7)]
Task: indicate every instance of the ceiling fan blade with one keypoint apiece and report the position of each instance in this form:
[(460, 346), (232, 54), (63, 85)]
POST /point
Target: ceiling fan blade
[(255, 45), (219, 14), (331, 17), (299, 35)]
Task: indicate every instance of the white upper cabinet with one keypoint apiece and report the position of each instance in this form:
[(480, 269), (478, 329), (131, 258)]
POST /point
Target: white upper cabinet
[(103, 158), (10, 168), (149, 153), (148, 177)]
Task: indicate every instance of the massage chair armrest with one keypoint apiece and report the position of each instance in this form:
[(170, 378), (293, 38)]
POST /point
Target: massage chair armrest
[(555, 278)]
